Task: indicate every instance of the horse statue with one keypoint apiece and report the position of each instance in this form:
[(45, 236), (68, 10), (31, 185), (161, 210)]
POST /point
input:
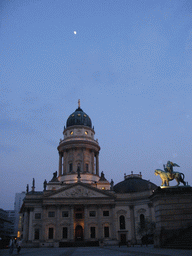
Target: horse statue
[(166, 177)]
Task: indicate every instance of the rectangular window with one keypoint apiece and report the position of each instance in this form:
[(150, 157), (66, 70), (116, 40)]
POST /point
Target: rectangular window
[(64, 233), (50, 233), (36, 236), (65, 214), (87, 167), (51, 214), (92, 232), (105, 213), (106, 232), (37, 216), (92, 213)]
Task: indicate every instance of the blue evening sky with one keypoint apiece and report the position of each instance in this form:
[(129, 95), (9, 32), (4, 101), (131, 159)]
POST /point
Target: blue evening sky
[(130, 64)]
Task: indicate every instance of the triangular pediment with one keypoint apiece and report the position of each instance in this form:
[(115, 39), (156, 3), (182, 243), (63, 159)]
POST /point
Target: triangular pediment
[(80, 191)]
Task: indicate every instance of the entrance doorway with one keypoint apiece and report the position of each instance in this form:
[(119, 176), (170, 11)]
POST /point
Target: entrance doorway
[(78, 233), (123, 238)]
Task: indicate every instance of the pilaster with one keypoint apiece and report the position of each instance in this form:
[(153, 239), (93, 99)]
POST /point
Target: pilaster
[(71, 223), (86, 231), (113, 223), (26, 225), (133, 235), (57, 228), (100, 231), (31, 225)]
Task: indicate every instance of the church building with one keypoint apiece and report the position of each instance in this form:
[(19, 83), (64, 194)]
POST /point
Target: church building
[(79, 204)]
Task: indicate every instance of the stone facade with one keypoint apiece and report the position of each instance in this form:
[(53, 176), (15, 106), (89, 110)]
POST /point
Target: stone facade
[(173, 212), (79, 204), (54, 216)]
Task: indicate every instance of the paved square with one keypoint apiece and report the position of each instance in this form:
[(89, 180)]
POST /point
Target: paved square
[(97, 251)]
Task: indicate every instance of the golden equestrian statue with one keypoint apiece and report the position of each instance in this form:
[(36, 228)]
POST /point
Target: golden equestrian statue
[(168, 174)]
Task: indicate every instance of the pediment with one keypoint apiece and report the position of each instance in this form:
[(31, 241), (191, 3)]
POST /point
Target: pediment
[(142, 210), (121, 212), (79, 191)]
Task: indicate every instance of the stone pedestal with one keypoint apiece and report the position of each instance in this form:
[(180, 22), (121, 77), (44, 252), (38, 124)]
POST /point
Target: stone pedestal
[(173, 212)]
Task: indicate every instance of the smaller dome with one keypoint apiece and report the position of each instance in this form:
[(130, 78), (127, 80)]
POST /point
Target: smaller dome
[(79, 118), (133, 184)]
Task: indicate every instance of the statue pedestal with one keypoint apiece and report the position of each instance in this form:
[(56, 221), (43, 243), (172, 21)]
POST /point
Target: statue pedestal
[(173, 213)]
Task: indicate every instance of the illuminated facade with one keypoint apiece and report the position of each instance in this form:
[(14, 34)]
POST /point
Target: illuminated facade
[(79, 204)]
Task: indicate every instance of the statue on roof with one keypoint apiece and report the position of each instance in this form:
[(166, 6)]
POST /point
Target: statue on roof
[(27, 188), (169, 168), (45, 184), (78, 173), (168, 174), (102, 177), (112, 184), (33, 185), (54, 179)]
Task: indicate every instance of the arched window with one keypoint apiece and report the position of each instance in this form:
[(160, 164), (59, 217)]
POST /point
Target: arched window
[(87, 167), (142, 221), (65, 232), (51, 232), (122, 222), (106, 231), (36, 234), (70, 167)]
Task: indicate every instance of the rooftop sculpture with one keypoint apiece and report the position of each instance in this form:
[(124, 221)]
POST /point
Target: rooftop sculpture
[(168, 174)]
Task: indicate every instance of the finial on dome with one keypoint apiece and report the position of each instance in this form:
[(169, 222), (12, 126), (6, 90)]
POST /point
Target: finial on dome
[(78, 103)]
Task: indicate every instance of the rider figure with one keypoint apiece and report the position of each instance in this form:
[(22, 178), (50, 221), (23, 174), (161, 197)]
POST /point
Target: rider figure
[(169, 168)]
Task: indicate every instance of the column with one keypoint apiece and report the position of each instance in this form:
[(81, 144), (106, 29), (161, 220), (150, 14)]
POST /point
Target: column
[(133, 235), (150, 211), (71, 223), (83, 161), (60, 163), (86, 231), (31, 225), (26, 225), (92, 162), (65, 162), (97, 164)]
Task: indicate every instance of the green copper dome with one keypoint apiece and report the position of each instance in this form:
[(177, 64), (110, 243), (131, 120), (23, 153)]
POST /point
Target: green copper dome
[(79, 118)]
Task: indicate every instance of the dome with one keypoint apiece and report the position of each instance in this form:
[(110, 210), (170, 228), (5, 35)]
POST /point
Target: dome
[(79, 118), (134, 184)]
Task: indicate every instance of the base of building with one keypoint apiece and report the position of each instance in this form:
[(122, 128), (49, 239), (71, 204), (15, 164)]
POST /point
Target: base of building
[(173, 213), (57, 244), (79, 244)]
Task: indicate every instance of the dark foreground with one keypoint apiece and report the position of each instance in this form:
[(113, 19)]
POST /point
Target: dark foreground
[(98, 251)]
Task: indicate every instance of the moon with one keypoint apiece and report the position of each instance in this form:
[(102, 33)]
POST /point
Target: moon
[(75, 32)]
